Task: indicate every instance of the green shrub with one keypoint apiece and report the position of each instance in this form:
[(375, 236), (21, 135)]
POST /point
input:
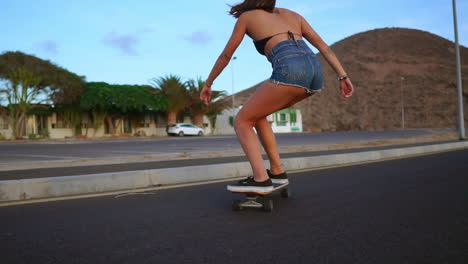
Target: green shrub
[(33, 137), (45, 133)]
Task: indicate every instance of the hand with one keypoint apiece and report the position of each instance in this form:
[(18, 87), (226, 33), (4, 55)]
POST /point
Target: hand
[(205, 94), (347, 88)]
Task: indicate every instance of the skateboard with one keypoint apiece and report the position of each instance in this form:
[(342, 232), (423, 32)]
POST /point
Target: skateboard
[(260, 200)]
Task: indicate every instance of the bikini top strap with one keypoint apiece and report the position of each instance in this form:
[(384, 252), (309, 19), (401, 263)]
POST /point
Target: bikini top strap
[(278, 34)]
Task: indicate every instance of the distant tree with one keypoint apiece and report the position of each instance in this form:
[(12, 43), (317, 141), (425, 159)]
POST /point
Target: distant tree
[(196, 106), (65, 87), (215, 107), (22, 94), (110, 101), (29, 81), (99, 119), (172, 88), (71, 115), (97, 98)]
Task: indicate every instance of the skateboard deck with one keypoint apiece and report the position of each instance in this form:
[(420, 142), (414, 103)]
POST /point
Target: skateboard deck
[(276, 187), (259, 199)]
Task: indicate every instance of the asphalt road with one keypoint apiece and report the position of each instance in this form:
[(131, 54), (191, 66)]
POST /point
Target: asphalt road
[(74, 150), (401, 211)]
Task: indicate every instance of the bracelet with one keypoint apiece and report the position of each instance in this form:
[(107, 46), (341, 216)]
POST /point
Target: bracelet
[(342, 78), (208, 85)]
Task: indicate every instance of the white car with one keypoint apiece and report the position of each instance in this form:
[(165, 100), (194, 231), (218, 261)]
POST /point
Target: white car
[(182, 129)]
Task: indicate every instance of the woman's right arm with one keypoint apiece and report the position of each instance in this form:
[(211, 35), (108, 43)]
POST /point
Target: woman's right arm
[(309, 33), (223, 60)]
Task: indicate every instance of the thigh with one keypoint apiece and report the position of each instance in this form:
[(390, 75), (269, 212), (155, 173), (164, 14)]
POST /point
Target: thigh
[(268, 99), (298, 99)]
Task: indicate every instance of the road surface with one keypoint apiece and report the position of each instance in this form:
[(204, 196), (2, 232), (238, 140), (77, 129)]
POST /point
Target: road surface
[(401, 211)]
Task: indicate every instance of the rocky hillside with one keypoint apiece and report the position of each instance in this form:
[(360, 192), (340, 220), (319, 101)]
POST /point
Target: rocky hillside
[(389, 67)]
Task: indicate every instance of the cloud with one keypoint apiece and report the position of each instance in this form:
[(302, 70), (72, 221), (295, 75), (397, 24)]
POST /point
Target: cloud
[(199, 38), (124, 43), (48, 46)]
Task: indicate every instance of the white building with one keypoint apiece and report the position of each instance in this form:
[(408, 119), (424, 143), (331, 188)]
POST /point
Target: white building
[(54, 126), (284, 121)]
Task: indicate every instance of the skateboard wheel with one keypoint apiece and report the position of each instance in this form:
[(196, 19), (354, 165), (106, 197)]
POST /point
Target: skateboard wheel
[(236, 205), (267, 205), (285, 193)]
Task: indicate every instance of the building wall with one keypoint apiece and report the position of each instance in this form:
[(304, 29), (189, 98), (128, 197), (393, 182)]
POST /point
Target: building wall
[(207, 126), (286, 127), (223, 126), (5, 129)]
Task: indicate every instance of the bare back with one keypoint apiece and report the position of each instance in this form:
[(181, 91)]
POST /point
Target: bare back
[(261, 24)]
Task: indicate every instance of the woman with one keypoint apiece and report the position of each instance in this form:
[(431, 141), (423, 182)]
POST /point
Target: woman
[(278, 34)]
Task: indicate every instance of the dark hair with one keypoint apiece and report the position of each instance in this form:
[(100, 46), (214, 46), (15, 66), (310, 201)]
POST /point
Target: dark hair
[(247, 5)]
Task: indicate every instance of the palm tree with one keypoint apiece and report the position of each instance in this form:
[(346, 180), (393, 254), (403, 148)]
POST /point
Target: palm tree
[(199, 109), (175, 91), (196, 106)]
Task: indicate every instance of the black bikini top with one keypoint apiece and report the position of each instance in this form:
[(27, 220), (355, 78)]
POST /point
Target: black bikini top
[(260, 44)]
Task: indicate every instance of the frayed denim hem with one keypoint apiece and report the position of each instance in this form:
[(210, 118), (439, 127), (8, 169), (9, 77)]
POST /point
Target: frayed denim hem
[(309, 91)]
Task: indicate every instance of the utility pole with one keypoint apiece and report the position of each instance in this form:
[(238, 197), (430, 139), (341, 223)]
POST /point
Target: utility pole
[(461, 121)]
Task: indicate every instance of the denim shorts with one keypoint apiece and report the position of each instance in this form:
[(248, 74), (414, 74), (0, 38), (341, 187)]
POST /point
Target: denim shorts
[(295, 64)]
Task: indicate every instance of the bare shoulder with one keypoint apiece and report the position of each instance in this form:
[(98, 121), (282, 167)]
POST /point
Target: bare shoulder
[(246, 16), (250, 13), (288, 12)]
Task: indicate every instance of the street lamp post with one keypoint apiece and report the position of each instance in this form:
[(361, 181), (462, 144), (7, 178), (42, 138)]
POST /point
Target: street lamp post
[(461, 125), (233, 96), (402, 104)]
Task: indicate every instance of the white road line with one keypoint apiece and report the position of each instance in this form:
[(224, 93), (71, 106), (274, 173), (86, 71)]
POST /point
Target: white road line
[(146, 153), (129, 151)]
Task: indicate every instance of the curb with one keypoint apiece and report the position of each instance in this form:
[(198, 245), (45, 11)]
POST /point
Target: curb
[(30, 189)]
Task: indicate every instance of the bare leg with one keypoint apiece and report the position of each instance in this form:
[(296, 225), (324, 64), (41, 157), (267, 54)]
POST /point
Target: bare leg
[(268, 139), (268, 99)]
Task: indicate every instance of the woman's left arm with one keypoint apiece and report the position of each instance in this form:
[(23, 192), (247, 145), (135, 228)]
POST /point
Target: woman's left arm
[(223, 60)]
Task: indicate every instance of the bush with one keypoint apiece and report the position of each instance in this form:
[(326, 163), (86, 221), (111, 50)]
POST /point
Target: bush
[(33, 137), (45, 133)]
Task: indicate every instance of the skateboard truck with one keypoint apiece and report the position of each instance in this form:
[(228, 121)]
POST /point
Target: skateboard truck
[(257, 200)]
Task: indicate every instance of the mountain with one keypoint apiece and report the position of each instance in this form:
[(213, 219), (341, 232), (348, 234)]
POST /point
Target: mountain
[(392, 69)]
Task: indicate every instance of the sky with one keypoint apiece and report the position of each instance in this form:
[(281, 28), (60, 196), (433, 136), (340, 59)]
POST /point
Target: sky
[(133, 42)]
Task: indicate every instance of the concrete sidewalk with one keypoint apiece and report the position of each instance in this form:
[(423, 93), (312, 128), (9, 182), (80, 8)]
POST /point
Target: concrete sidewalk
[(194, 171)]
